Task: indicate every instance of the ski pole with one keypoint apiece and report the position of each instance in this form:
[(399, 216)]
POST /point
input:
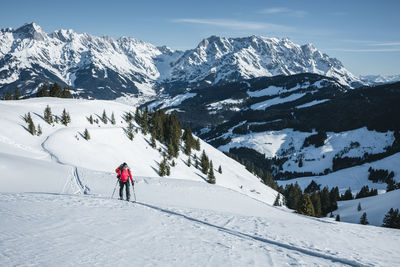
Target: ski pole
[(115, 187), (133, 188)]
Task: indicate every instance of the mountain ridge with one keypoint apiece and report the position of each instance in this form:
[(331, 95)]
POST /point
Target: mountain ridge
[(107, 68)]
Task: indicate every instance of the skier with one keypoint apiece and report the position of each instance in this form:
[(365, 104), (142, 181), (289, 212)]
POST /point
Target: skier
[(124, 174)]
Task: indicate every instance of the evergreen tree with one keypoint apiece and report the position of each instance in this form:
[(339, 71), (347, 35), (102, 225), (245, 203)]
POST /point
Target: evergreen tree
[(56, 119), (144, 121), (16, 93), (363, 219), (307, 207), (129, 131), (197, 144), (189, 162), (86, 134), (196, 162), (153, 141), (39, 130), (173, 163), (43, 91), (348, 195), (220, 169), (137, 116), (325, 201), (211, 176), (167, 169), (27, 117), (48, 116), (31, 125), (204, 162), (8, 96), (269, 180), (113, 119), (91, 119), (188, 147), (104, 118), (333, 197), (316, 201), (277, 201), (359, 206), (66, 93), (163, 166), (65, 118), (293, 195), (55, 90), (312, 187), (337, 218), (392, 219)]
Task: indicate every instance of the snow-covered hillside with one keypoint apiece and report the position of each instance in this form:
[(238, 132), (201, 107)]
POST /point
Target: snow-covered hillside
[(56, 209), (108, 146), (379, 79), (107, 68)]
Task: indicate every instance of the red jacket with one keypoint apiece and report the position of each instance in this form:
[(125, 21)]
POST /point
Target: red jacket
[(124, 175)]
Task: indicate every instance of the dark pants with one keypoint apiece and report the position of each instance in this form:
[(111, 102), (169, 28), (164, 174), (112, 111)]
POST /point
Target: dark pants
[(121, 189)]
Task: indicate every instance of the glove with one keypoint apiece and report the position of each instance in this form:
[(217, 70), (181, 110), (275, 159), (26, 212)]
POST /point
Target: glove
[(132, 183)]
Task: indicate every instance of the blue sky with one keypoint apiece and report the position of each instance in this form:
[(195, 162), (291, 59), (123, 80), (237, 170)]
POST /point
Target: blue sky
[(363, 34)]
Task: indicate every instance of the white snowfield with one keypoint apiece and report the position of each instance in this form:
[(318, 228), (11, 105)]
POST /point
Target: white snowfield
[(56, 210)]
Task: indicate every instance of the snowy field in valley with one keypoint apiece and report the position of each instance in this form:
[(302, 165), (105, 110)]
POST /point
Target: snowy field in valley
[(56, 208)]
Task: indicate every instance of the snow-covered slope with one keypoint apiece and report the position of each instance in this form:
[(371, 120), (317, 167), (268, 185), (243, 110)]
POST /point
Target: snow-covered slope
[(107, 68), (379, 79), (56, 209), (108, 146)]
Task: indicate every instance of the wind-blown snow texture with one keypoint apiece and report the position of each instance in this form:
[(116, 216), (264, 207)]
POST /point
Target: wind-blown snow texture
[(56, 208), (107, 68)]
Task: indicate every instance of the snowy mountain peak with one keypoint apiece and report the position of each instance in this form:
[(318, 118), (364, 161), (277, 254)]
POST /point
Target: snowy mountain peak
[(104, 67), (32, 31)]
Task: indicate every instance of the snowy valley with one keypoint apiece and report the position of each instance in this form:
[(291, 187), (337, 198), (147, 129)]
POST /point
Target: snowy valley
[(56, 189)]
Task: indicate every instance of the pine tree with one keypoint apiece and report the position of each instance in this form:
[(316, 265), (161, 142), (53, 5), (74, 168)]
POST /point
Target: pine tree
[(144, 121), (104, 118), (277, 201), (211, 176), (137, 116), (153, 141), (189, 162), (204, 162), (39, 130), (65, 118), (307, 207), (43, 91), (325, 201), (220, 169), (168, 169), (91, 119), (27, 117), (16, 93), (8, 96), (196, 162), (337, 218), (348, 195), (66, 93), (359, 206), (316, 200), (173, 163), (31, 125), (187, 147), (162, 168), (197, 144), (363, 219), (86, 134), (129, 131), (55, 90), (56, 119), (48, 116), (392, 219), (113, 122)]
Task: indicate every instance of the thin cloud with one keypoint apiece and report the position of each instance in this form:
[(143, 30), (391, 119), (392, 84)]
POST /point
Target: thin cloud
[(386, 44), (236, 24), (382, 50), (284, 10)]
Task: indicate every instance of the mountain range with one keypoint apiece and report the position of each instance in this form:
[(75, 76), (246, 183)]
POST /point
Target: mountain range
[(107, 68)]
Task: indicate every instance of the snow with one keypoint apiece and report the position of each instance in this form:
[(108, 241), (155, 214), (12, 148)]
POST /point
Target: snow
[(170, 102), (376, 207), (312, 103), (224, 103), (56, 209), (275, 101), (289, 143), (354, 177)]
